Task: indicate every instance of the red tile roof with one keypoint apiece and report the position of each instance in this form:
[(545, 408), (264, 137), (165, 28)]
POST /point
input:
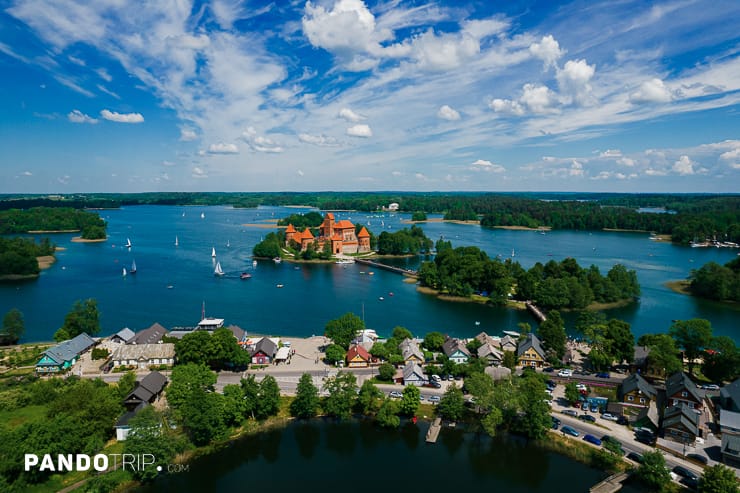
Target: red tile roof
[(307, 234), (330, 215), (344, 224), (290, 229), (355, 351), (363, 233)]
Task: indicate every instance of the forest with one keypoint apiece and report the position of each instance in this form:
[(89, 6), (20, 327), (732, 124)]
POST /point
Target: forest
[(404, 242), (89, 224), (18, 255), (717, 282)]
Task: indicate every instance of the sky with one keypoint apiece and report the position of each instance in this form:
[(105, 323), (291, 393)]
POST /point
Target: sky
[(228, 95)]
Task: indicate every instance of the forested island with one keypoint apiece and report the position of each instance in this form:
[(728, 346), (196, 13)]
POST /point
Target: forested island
[(18, 257), (716, 282), (51, 220)]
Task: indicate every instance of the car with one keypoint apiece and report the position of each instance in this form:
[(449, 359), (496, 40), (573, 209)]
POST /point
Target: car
[(635, 457), (592, 439), (698, 458), (437, 385), (609, 417), (549, 391), (433, 398), (587, 417), (645, 436), (565, 373), (421, 398), (584, 405), (621, 420), (685, 473), (450, 377), (710, 386), (567, 430), (549, 369), (555, 423), (552, 383), (581, 386), (395, 394), (602, 374), (444, 377), (435, 378), (594, 408), (555, 420), (570, 412)]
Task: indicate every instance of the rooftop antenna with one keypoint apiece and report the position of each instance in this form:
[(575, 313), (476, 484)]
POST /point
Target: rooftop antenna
[(203, 311)]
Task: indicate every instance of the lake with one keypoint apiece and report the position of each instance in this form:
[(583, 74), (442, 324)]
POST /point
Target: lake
[(327, 456), (173, 283)]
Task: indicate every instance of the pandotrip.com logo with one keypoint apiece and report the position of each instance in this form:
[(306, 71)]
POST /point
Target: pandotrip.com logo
[(99, 463)]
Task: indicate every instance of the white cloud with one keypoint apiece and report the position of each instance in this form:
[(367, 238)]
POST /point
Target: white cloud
[(168, 163), (506, 106), (396, 173), (538, 98), (64, 180), (222, 148), (27, 173), (300, 172), (483, 28), (652, 91), (655, 172), (626, 161), (684, 166), (187, 134), (122, 117), (447, 113), (350, 115), (485, 165), (318, 140), (732, 157), (573, 81), (547, 49), (576, 169), (421, 177), (444, 51), (199, 172), (76, 116), (260, 143), (103, 74), (107, 91), (610, 153), (360, 130)]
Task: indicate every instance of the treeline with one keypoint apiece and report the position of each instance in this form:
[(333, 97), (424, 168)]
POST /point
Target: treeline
[(311, 219), (269, 247), (717, 282), (52, 219), (18, 255), (404, 242)]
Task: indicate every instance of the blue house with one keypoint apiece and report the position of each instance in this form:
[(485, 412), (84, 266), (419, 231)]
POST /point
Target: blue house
[(62, 356)]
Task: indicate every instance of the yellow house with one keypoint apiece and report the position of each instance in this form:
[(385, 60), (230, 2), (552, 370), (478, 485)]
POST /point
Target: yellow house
[(530, 352), (357, 357)]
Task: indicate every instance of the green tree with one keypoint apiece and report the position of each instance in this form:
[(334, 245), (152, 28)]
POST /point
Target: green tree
[(535, 420), (663, 352), (509, 360), (149, 435), (250, 390), (186, 380), (194, 347), (410, 400), (718, 479), (341, 389), (652, 472), (234, 405), (343, 329), (433, 341), (334, 354), (571, 393), (13, 327), (83, 317), (723, 363), (369, 398), (693, 336), (203, 416), (387, 414), (418, 216), (306, 402), (268, 398), (126, 384), (452, 404), (552, 334), (386, 371)]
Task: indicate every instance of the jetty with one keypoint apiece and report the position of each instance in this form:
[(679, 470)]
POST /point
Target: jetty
[(433, 431), (611, 484), (538, 314), (397, 270)]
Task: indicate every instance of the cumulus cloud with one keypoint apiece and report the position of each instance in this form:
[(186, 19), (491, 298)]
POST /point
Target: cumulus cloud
[(199, 172), (122, 117), (187, 134), (610, 153), (626, 161), (538, 98), (168, 163), (447, 113), (27, 173), (684, 166), (652, 91), (318, 140), (506, 106), (222, 148), (655, 172), (260, 143), (573, 81), (547, 49), (576, 169), (76, 116), (444, 51), (396, 173), (350, 115), (732, 157), (360, 130), (485, 165)]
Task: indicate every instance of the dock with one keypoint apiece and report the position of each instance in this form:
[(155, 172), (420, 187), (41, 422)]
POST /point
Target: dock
[(397, 270), (433, 431), (538, 314), (611, 484)]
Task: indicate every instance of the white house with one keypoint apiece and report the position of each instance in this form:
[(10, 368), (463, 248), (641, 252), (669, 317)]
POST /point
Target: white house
[(144, 355)]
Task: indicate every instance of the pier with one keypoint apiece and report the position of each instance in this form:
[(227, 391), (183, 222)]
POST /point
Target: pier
[(610, 485), (433, 431), (535, 311), (397, 270)]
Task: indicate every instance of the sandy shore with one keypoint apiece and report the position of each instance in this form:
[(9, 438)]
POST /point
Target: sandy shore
[(45, 261), (439, 220), (49, 231), (523, 228), (263, 226), (80, 239), (680, 287)]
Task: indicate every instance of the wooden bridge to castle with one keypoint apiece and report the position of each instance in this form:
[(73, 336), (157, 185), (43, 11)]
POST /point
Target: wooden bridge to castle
[(397, 270)]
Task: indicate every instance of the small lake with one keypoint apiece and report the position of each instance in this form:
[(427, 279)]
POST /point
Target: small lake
[(173, 282), (327, 456)]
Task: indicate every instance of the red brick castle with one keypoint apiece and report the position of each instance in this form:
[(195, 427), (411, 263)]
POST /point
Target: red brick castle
[(341, 235)]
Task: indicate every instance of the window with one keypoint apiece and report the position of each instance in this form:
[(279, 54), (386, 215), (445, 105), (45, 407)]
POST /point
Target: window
[(642, 400), (691, 405), (630, 398), (675, 402), (684, 394)]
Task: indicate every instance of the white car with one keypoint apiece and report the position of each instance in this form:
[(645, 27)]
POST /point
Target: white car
[(565, 373), (396, 394), (581, 386), (609, 417)]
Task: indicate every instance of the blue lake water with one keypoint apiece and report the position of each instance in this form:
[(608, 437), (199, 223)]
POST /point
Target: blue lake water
[(172, 282)]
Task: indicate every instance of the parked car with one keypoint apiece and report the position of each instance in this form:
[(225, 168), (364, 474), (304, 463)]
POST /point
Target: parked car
[(555, 423), (602, 374), (594, 408), (592, 439), (621, 420), (435, 378), (552, 383), (567, 430), (698, 458), (635, 457), (685, 473), (433, 398), (570, 412), (710, 386), (609, 417), (587, 417), (437, 385), (421, 397), (565, 373), (645, 436), (444, 377), (395, 394), (581, 386), (584, 405)]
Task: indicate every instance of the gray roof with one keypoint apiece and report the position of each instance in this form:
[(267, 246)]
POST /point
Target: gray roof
[(125, 334), (238, 332), (679, 381), (267, 346), (126, 417), (508, 340), (532, 341), (409, 348), (731, 445), (152, 335), (144, 351), (729, 419), (641, 354), (451, 345), (487, 349), (498, 372), (731, 392), (149, 386), (683, 415), (69, 349), (636, 382), (412, 370)]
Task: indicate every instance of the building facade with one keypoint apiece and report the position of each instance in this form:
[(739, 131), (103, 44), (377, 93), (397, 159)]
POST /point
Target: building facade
[(340, 235)]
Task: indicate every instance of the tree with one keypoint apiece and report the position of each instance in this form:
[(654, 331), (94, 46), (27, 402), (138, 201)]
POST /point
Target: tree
[(693, 336), (571, 393), (452, 404), (268, 398), (535, 420), (718, 479), (194, 347), (369, 398), (185, 381), (341, 389), (723, 362), (84, 317), (652, 472), (13, 327), (306, 402), (343, 329), (552, 334), (126, 384), (419, 216), (334, 354), (509, 360), (433, 341), (203, 416), (663, 352), (410, 400), (148, 436), (621, 340), (250, 390), (386, 371), (387, 414), (234, 405)]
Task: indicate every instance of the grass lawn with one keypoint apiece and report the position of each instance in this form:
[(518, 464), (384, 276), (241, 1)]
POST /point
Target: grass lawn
[(27, 414)]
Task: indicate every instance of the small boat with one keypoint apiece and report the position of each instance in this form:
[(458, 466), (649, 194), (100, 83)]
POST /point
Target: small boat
[(277, 260), (512, 252), (390, 293), (228, 243), (345, 261), (279, 285), (124, 272), (218, 271), (128, 243), (381, 298), (245, 275), (213, 252), (177, 242), (371, 273), (170, 286), (133, 268), (511, 333), (254, 263), (202, 215), (477, 322)]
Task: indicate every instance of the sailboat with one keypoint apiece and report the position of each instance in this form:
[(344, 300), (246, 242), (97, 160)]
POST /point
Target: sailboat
[(128, 243), (133, 267), (512, 252), (177, 242), (124, 272), (213, 252), (202, 215), (254, 263), (219, 271), (228, 243)]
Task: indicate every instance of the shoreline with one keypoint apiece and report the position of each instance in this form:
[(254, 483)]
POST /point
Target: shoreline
[(52, 231), (680, 286), (46, 261), (512, 304), (80, 239), (441, 220)]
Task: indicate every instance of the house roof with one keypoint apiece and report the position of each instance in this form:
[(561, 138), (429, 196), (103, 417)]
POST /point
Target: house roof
[(306, 235), (125, 334), (641, 354), (152, 335), (363, 233), (532, 341), (731, 392), (144, 351), (267, 346), (488, 349), (126, 417), (412, 370), (731, 444), (680, 381), (729, 419), (451, 345), (238, 332), (282, 353), (357, 350), (344, 224), (150, 385), (330, 215), (636, 382), (409, 348), (676, 415), (498, 372), (290, 228), (507, 339), (69, 349)]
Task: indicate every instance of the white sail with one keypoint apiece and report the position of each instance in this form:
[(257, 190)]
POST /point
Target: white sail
[(133, 267), (128, 243), (124, 272), (219, 271), (213, 252), (512, 252), (177, 242), (202, 215), (228, 243)]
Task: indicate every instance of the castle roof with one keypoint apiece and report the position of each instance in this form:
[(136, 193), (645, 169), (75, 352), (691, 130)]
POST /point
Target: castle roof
[(307, 234), (344, 224), (363, 233), (290, 229), (330, 215), (336, 237)]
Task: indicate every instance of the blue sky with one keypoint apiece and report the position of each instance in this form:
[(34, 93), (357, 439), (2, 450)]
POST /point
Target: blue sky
[(123, 96)]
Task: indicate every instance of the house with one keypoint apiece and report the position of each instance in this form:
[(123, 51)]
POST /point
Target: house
[(636, 391), (679, 388), (681, 424), (729, 396), (357, 357), (123, 336), (413, 375), (410, 352), (148, 390), (508, 343), (393, 206), (152, 335), (143, 356), (729, 422), (122, 425), (264, 351), (498, 373), (282, 355), (62, 356), (484, 338), (456, 351), (210, 324), (239, 334), (492, 355), (339, 234), (530, 352)]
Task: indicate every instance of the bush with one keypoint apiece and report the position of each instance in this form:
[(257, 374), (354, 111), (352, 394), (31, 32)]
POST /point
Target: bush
[(100, 353), (386, 372)]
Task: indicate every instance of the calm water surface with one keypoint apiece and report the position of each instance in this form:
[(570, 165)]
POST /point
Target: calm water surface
[(172, 282), (362, 457)]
